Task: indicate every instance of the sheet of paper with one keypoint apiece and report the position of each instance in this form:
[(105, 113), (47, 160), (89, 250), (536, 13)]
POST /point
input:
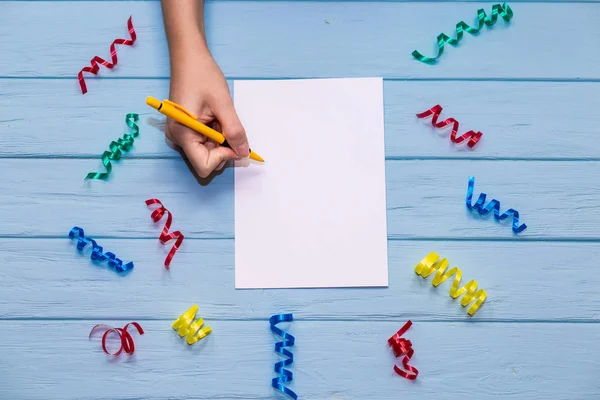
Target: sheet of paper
[(314, 214)]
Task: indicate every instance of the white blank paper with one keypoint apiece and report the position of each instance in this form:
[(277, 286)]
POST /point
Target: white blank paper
[(314, 214)]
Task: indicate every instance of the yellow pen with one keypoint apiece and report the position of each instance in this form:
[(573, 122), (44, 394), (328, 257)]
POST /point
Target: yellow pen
[(184, 117)]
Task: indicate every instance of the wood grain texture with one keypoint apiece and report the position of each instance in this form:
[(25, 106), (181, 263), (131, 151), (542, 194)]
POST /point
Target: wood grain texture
[(307, 39), (531, 87), (346, 1), (510, 115), (524, 282), (332, 360), (425, 199)]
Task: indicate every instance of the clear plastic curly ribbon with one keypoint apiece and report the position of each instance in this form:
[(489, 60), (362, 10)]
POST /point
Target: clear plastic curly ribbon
[(165, 236), (125, 337), (280, 347), (122, 145), (403, 347), (94, 68), (431, 264), (498, 9), (436, 111), (97, 251), (192, 330), (492, 205)]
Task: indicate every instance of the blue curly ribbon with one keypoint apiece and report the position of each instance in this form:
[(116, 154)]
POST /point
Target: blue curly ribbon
[(288, 340), (97, 254), (492, 205)]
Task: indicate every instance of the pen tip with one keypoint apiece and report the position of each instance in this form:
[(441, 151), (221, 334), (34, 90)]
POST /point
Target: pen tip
[(256, 157)]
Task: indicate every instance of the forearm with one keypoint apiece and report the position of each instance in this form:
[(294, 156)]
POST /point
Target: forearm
[(184, 28), (198, 84)]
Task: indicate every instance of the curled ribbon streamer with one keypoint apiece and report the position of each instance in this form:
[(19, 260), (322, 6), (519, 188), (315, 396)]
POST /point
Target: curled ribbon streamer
[(401, 346), (503, 10), (436, 111), (288, 340), (124, 336), (492, 205), (165, 236), (432, 263), (113, 55), (97, 251), (186, 326), (122, 145)]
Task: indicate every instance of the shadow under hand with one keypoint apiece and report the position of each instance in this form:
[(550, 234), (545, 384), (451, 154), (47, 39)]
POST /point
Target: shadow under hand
[(157, 123)]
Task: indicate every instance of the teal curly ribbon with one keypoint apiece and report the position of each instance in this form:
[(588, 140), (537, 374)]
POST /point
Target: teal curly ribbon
[(498, 9), (122, 145)]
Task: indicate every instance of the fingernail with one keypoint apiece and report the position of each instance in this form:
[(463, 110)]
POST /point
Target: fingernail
[(242, 150)]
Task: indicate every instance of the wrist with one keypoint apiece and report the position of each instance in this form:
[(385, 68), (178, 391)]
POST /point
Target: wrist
[(188, 40), (190, 69), (184, 28), (192, 49)]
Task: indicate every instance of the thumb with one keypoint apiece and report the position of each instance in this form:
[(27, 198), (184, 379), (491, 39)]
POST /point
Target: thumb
[(232, 129)]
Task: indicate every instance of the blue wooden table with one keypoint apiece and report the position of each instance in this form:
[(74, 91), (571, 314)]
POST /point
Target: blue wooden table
[(531, 86)]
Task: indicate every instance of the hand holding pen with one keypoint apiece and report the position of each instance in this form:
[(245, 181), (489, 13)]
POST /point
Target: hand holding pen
[(186, 118), (208, 102)]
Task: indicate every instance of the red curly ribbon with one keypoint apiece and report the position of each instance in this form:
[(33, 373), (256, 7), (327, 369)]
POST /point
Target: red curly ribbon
[(401, 346), (165, 236), (125, 337), (113, 55), (436, 111)]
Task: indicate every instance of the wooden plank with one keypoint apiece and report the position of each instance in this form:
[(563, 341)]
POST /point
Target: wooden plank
[(425, 199), (524, 281), (56, 195), (351, 1), (522, 125), (554, 199), (254, 39), (332, 360)]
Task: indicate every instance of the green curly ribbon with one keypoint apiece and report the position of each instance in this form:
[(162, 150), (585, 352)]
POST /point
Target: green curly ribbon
[(122, 145), (503, 10)]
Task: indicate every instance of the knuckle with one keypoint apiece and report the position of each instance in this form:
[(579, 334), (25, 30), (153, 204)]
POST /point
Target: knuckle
[(204, 170), (172, 130), (174, 127), (204, 173), (236, 132)]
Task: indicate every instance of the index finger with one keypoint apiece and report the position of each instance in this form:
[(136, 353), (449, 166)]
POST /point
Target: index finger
[(233, 130)]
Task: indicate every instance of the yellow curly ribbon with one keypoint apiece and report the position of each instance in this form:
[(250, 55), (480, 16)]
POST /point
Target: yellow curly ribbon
[(185, 325), (432, 263)]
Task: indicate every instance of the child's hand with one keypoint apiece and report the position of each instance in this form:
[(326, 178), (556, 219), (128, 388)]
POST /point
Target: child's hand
[(200, 87)]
